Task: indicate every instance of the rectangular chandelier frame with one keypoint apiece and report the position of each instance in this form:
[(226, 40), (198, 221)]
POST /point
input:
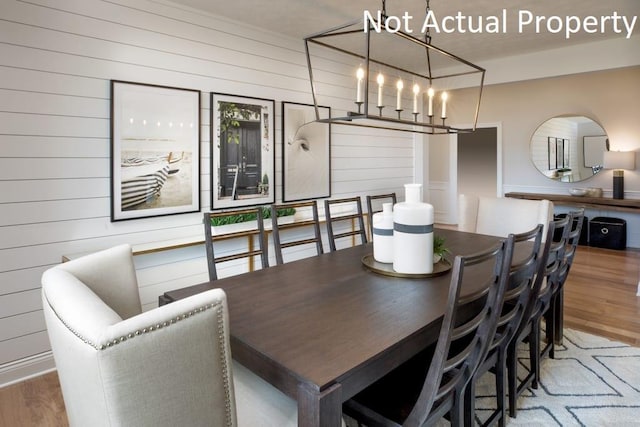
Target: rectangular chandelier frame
[(363, 117)]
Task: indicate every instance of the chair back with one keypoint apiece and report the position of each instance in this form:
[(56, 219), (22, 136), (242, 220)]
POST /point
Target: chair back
[(572, 239), (374, 205), (465, 334), (166, 366), (522, 277), (247, 230), (111, 275), (501, 216), (348, 213), (547, 275), (309, 216)]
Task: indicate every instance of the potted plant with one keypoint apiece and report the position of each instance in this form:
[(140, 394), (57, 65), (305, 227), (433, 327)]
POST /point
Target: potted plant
[(439, 249)]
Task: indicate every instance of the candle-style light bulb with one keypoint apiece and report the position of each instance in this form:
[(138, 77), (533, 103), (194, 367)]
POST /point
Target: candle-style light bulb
[(416, 91), (445, 96), (399, 85), (380, 80), (430, 93), (360, 76)]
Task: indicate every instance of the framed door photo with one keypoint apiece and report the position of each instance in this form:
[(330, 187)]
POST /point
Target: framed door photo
[(242, 151)]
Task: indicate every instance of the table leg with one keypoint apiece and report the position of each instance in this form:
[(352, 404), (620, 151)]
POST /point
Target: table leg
[(320, 409)]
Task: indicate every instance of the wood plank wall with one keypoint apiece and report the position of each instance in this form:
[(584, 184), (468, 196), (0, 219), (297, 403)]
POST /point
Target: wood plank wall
[(57, 58)]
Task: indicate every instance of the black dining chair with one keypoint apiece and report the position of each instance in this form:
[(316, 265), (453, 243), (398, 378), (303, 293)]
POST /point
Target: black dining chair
[(431, 384), (553, 316), (247, 232), (524, 265), (309, 213), (374, 205), (344, 219), (539, 301)]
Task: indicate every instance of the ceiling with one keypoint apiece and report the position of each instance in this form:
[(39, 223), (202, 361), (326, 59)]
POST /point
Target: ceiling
[(300, 18)]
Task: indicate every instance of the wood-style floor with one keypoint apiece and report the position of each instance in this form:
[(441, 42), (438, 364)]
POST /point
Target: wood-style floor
[(600, 298)]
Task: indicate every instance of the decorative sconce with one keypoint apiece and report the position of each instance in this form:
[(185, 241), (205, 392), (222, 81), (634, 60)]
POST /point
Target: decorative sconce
[(619, 161)]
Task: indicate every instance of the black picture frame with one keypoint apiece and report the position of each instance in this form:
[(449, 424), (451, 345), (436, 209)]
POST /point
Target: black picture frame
[(155, 150), (242, 151), (306, 152)]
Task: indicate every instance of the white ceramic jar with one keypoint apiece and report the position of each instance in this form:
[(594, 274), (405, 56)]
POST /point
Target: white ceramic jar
[(383, 234), (413, 233)]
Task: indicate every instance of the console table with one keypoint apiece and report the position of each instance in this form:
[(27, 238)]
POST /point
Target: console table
[(604, 203)]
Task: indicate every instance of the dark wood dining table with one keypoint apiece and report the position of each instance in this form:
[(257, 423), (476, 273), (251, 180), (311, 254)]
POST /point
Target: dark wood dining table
[(323, 328)]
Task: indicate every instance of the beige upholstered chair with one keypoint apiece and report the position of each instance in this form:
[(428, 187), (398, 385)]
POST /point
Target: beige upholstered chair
[(502, 216), (167, 366)]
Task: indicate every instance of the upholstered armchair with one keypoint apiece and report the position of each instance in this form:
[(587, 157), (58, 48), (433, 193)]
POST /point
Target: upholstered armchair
[(168, 366), (502, 216)]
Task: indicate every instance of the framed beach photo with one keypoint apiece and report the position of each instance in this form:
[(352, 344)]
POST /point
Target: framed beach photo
[(155, 150), (242, 151), (306, 152)]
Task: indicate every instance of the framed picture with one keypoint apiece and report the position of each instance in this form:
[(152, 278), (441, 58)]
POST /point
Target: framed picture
[(155, 150), (553, 159), (306, 152), (242, 151), (593, 148)]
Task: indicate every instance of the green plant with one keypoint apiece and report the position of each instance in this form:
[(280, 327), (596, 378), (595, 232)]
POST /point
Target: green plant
[(238, 218), (230, 116), (438, 246)]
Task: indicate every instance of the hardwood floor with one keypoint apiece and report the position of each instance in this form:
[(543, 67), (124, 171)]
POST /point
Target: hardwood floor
[(600, 298), (600, 294)]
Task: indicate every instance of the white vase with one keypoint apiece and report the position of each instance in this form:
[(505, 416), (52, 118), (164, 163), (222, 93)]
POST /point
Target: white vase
[(383, 234), (413, 233)]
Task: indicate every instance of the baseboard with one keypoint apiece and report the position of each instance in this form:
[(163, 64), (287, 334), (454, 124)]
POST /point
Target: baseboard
[(34, 366)]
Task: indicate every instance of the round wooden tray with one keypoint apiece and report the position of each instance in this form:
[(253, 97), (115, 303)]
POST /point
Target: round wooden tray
[(439, 268)]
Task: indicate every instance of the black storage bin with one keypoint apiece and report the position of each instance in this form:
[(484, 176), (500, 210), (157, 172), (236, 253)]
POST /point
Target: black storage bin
[(584, 231), (610, 233)]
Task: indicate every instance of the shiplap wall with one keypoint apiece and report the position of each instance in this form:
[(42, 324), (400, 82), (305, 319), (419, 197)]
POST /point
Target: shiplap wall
[(57, 58)]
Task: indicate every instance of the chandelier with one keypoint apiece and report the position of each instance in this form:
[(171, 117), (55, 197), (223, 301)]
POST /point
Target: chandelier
[(387, 71)]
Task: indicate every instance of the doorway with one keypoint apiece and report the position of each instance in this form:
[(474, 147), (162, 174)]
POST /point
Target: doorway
[(479, 170), (477, 163)]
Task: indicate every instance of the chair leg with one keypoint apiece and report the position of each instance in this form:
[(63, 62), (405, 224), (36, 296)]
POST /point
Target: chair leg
[(550, 324), (534, 352), (512, 377), (501, 367), (470, 403), (457, 409)]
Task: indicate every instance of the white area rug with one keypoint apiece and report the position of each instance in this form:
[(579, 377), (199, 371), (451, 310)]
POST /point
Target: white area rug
[(591, 382)]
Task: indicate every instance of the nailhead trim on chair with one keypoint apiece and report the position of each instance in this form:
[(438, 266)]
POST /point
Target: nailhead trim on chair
[(221, 342)]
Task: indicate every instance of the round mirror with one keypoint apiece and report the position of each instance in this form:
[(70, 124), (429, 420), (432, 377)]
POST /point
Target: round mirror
[(569, 148)]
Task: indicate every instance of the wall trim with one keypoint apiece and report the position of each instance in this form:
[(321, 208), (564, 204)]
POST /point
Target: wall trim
[(27, 368)]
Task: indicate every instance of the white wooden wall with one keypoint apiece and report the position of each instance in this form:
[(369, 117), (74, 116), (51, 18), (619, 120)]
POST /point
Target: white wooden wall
[(57, 58)]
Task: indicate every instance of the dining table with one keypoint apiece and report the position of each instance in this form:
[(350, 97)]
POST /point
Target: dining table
[(323, 328)]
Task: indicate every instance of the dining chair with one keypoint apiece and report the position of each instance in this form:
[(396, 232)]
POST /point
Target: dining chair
[(553, 315), (524, 265), (501, 216), (246, 230), (308, 212), (528, 331), (374, 205), (171, 365), (431, 385), (344, 219)]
